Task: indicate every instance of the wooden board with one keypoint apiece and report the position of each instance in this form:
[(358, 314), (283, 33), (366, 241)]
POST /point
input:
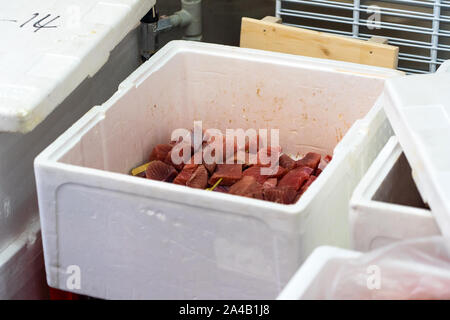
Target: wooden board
[(266, 35)]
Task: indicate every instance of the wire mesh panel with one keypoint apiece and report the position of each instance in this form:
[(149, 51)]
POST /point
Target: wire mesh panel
[(420, 28)]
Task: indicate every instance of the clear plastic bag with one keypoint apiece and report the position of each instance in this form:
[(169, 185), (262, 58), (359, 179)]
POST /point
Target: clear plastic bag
[(411, 269)]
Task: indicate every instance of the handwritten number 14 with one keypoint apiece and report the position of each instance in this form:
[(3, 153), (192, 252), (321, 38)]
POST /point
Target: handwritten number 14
[(40, 23)]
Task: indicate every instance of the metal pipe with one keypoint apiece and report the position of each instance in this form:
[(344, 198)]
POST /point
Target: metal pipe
[(189, 17), (193, 30), (149, 39)]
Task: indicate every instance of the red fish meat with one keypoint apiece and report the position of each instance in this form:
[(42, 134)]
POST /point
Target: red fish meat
[(311, 160), (230, 174), (158, 170), (185, 174), (247, 187), (284, 195), (160, 152), (307, 184), (287, 162), (255, 172), (199, 179), (210, 167), (270, 183), (295, 178)]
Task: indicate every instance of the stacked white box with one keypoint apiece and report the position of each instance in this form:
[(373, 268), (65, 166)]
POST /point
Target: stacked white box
[(418, 108), (386, 206), (319, 269), (50, 77), (412, 269), (22, 274)]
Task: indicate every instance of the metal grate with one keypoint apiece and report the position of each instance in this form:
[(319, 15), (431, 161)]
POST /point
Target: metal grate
[(420, 28)]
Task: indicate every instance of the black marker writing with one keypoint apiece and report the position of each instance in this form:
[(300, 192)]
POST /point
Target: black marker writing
[(34, 16), (39, 26)]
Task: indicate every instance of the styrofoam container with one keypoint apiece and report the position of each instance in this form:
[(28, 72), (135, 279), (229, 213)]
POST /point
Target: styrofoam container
[(318, 269), (50, 47), (386, 205), (49, 78), (419, 109), (18, 199), (410, 269), (444, 67), (22, 274), (137, 238)]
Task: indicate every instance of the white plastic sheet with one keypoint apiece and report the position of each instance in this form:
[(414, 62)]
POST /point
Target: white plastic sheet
[(412, 269)]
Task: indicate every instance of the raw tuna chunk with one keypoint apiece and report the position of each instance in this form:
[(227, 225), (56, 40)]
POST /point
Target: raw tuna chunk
[(230, 174), (270, 183), (287, 162), (158, 170), (247, 187), (311, 160), (210, 167), (168, 160), (244, 158), (199, 179), (295, 178), (160, 152), (276, 173), (211, 147), (180, 149), (285, 195), (185, 174), (255, 172), (213, 151), (189, 139), (307, 184)]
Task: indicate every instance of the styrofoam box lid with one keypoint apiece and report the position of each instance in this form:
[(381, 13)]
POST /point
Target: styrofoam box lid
[(49, 47), (418, 108)]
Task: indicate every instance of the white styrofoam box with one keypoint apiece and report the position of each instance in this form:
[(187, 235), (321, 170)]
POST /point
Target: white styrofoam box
[(137, 238), (445, 67), (49, 47), (386, 206), (415, 268), (22, 273), (18, 199), (319, 268), (418, 108)]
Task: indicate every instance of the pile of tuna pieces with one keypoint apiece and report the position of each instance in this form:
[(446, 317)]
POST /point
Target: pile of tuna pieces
[(285, 186)]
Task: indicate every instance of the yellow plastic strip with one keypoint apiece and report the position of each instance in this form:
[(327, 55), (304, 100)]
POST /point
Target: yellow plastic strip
[(140, 169), (215, 185)]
